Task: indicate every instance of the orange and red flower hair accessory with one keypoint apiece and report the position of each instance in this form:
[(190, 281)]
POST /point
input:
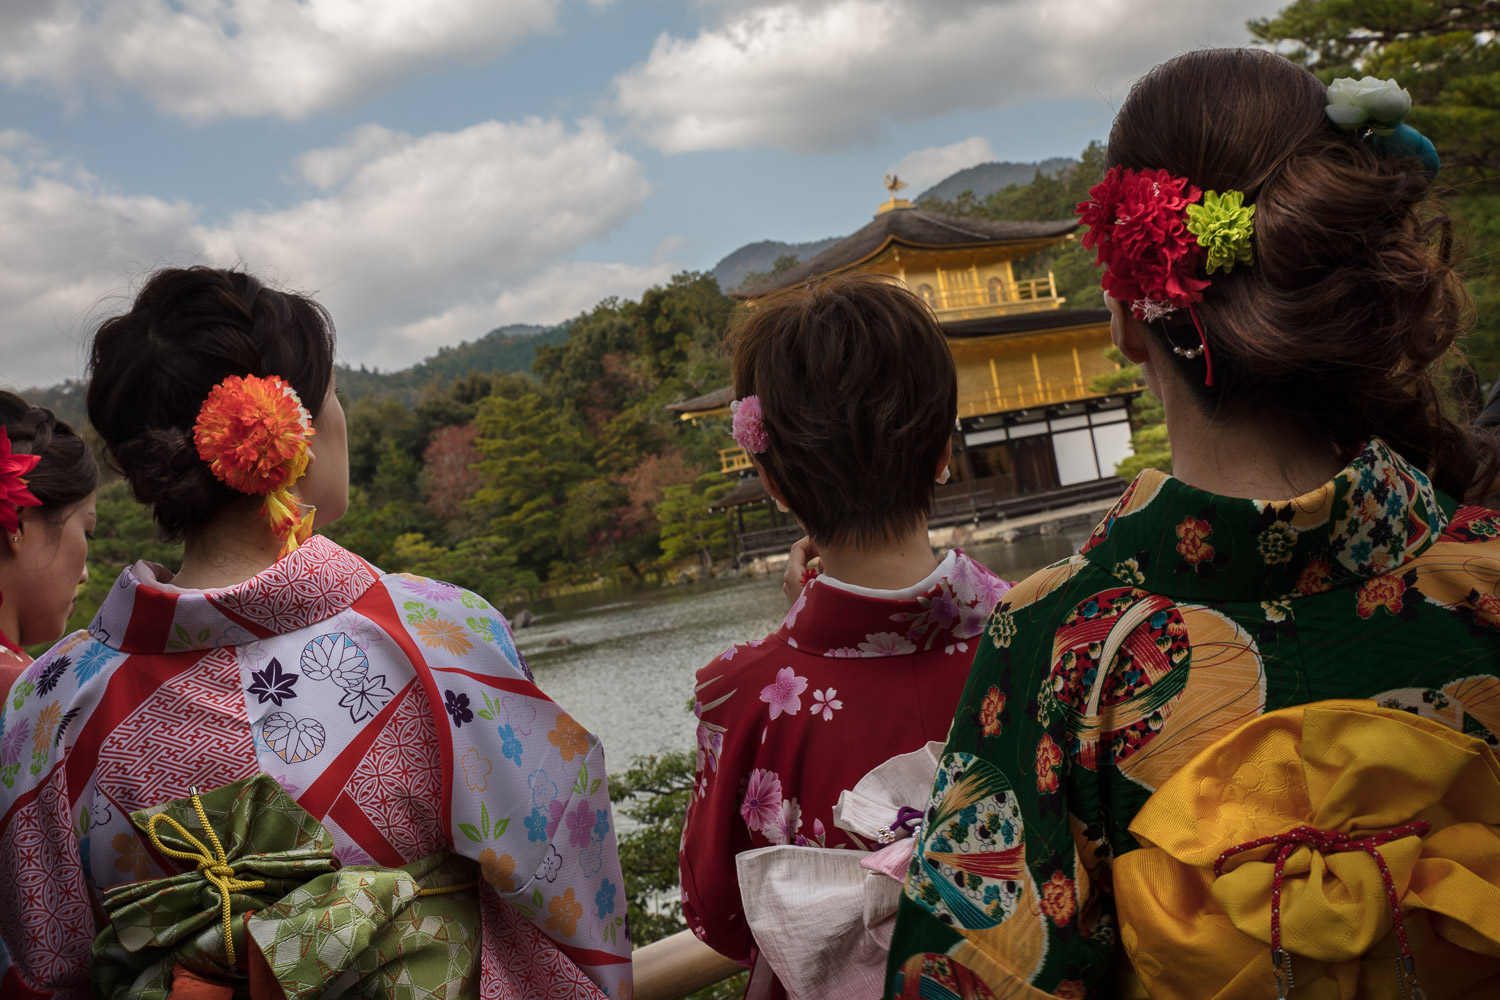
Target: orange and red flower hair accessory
[(253, 432)]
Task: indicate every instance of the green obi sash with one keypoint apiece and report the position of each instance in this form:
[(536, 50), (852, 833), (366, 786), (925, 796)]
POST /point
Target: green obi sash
[(301, 925)]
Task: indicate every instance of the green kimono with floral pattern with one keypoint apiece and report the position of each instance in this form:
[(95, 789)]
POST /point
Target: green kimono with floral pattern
[(1184, 615)]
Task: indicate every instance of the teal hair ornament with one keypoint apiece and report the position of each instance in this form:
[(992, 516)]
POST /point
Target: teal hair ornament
[(1375, 108)]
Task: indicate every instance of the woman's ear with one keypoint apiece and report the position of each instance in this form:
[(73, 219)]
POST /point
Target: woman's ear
[(772, 490), (1128, 334), (942, 473)]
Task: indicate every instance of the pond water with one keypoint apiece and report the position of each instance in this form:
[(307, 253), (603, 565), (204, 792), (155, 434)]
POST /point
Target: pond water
[(627, 669)]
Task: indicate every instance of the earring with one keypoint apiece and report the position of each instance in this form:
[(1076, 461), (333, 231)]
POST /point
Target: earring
[(947, 475), (783, 507)]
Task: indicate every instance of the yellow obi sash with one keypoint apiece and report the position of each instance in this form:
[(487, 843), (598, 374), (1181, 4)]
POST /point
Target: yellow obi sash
[(1362, 779)]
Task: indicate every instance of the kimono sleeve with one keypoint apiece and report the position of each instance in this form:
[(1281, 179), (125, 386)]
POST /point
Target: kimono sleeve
[(999, 888), (713, 831), (529, 801), (46, 918)]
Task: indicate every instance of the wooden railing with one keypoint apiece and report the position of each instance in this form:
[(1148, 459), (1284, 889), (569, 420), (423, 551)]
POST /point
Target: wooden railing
[(988, 296), (733, 460), (989, 399), (676, 966)]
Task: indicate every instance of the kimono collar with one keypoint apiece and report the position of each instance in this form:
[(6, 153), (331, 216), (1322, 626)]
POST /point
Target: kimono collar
[(314, 583), (1376, 515), (829, 620)]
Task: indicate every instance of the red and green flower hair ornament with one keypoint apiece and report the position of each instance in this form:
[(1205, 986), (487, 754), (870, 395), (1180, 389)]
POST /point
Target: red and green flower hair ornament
[(1156, 234), (253, 432), (13, 492), (749, 426), (1375, 108)]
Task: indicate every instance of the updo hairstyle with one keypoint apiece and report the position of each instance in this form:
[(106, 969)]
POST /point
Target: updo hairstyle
[(858, 396), (151, 369), (66, 472), (1353, 299)]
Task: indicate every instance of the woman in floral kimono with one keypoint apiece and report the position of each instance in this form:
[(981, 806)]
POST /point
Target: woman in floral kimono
[(280, 762), (1248, 732), (847, 398), (47, 480)]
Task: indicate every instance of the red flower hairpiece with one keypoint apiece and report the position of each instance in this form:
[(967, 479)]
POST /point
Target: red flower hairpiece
[(13, 492), (1138, 223)]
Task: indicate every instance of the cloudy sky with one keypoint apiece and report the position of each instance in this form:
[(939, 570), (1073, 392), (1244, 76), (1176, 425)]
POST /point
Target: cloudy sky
[(433, 169)]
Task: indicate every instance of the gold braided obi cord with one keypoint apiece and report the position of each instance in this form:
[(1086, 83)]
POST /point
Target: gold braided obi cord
[(1360, 779)]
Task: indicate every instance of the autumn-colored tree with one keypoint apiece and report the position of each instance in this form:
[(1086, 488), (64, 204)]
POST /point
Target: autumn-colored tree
[(448, 468)]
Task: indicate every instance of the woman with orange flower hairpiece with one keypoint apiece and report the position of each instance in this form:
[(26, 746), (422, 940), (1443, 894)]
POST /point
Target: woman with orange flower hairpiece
[(279, 728), (1250, 750), (47, 480)]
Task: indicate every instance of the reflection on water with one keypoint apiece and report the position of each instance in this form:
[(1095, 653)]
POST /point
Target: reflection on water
[(627, 669)]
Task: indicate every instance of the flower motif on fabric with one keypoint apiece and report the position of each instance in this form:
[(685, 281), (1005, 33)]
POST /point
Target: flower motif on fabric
[(886, 644), (1198, 553), (992, 711), (601, 823), (1384, 513), (436, 632), (1131, 572), (131, 857), (476, 768), (1387, 593), (292, 739), (543, 789), (604, 899), (458, 708), (1276, 542), (1059, 899), (334, 657), (273, 684), (1316, 578), (366, 697), (788, 822), (510, 744), (784, 693), (93, 659), (1481, 612), (564, 912), (1049, 758), (551, 865), (761, 806), (580, 825), (569, 737), (536, 825), (797, 606), (499, 870), (52, 673), (825, 704), (1002, 627), (1280, 620)]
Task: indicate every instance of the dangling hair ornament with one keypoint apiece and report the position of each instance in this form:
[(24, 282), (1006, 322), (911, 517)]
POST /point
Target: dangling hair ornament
[(13, 492), (749, 426), (1154, 233), (1375, 109), (253, 432)]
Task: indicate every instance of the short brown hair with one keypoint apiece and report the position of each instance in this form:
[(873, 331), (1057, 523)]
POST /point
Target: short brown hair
[(859, 397), (1353, 300)]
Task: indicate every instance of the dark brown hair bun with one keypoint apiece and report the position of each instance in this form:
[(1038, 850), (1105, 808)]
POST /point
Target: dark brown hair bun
[(151, 368), (66, 472)]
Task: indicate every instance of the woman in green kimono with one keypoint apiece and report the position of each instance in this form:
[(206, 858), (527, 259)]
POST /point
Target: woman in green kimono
[(1312, 577)]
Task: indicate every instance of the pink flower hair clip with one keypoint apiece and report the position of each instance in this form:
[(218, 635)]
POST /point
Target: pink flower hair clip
[(749, 428)]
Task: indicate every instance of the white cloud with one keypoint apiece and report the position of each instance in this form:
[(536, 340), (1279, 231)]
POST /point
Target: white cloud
[(208, 59), (827, 75), (925, 167), (409, 241)]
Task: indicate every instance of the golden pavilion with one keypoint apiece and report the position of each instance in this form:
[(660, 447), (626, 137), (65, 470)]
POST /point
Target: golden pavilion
[(1031, 433)]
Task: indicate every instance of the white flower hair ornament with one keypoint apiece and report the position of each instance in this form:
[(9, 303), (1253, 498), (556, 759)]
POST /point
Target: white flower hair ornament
[(1375, 109)]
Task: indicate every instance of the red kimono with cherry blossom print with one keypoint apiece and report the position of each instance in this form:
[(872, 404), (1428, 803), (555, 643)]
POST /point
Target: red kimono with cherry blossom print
[(852, 677)]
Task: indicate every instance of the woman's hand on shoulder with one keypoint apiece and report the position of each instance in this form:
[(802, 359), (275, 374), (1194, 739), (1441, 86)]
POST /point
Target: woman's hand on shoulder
[(802, 553)]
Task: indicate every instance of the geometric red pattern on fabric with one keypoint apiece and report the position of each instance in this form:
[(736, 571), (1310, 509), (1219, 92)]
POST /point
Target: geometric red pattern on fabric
[(399, 784), (57, 930), (192, 730), (287, 596), (519, 962)]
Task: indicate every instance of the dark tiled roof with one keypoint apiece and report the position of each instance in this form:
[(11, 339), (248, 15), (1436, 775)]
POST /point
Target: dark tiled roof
[(745, 491), (1046, 319), (911, 227), (715, 400)]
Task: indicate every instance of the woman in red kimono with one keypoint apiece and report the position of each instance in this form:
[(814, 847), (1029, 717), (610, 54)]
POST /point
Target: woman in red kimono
[(847, 399), (319, 716), (47, 480)]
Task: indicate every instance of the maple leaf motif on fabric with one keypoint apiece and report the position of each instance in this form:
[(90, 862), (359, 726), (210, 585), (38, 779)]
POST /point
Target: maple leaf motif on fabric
[(366, 697), (273, 684)]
